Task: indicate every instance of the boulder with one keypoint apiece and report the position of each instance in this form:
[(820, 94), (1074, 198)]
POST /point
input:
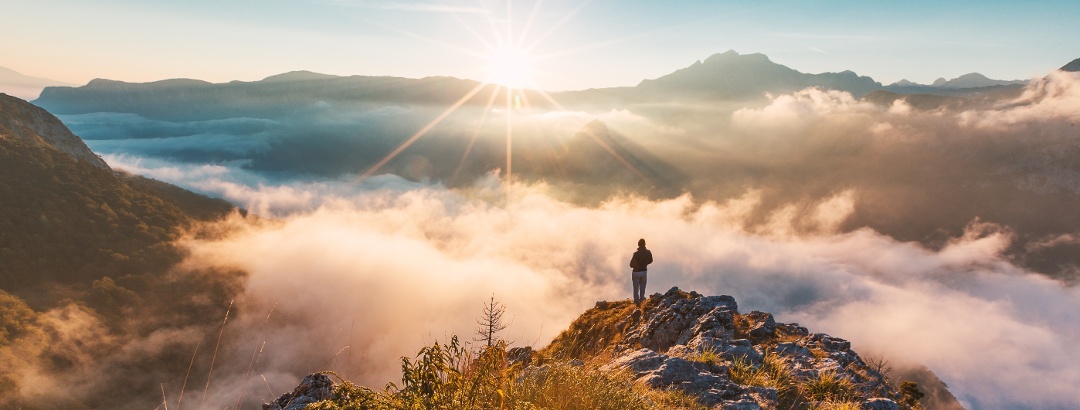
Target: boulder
[(315, 387), (879, 403)]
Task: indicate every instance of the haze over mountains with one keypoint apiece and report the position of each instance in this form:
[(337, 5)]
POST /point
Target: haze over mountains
[(665, 136), (934, 229), (24, 86), (89, 279)]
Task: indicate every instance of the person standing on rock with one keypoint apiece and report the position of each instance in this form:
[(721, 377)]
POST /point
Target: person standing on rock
[(639, 265)]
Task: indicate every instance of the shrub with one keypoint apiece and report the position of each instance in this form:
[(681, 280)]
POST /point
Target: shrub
[(828, 386), (448, 376), (910, 394), (773, 372)]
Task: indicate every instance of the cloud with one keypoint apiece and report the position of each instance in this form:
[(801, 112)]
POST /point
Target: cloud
[(1055, 97), (352, 282), (895, 227)]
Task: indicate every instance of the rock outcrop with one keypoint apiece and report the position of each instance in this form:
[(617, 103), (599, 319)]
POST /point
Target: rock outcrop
[(703, 346), (315, 387)]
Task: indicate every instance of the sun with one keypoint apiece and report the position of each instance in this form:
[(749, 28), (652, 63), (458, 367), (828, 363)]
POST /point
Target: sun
[(510, 67)]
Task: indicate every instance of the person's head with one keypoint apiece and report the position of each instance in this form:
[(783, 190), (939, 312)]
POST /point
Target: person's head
[(641, 243)]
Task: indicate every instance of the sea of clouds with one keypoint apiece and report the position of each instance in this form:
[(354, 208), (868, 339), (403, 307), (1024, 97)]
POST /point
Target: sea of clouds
[(350, 274)]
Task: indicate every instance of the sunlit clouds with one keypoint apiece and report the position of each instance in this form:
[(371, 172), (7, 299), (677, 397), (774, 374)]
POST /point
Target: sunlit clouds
[(405, 265)]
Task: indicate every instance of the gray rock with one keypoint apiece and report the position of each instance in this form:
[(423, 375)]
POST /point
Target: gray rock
[(712, 388), (793, 350), (315, 387), (879, 403), (762, 326), (741, 349), (522, 355), (830, 343)]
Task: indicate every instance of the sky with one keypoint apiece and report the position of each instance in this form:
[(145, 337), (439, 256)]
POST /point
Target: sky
[(574, 44)]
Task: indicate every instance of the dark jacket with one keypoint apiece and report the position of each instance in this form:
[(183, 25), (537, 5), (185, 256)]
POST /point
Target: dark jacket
[(641, 260)]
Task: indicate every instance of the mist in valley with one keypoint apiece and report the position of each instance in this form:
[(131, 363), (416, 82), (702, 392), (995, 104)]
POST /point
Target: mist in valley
[(942, 237)]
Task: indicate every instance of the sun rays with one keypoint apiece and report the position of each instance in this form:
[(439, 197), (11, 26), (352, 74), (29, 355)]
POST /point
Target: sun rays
[(509, 71)]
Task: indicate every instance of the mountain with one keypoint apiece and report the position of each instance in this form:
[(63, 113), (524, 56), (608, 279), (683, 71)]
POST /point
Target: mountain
[(1072, 66), (302, 75), (731, 75), (88, 269), (971, 85), (273, 97), (24, 86), (973, 80), (682, 343), (69, 219), (721, 76)]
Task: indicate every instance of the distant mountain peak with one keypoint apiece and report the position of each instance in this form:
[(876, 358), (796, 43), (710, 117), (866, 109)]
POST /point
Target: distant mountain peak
[(732, 55), (1073, 66), (301, 75), (903, 83), (733, 75), (971, 80)]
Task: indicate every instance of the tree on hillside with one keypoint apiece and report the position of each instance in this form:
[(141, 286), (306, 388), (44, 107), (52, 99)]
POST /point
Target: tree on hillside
[(491, 322)]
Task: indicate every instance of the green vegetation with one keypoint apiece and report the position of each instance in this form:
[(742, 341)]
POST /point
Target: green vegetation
[(449, 376), (707, 356), (88, 264), (910, 395), (828, 386), (774, 372), (67, 222), (827, 390)]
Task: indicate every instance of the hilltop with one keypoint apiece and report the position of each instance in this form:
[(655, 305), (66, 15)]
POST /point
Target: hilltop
[(678, 350), (88, 267)]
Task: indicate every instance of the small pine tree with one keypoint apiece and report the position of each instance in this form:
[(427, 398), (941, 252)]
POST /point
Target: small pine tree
[(491, 322), (910, 394)]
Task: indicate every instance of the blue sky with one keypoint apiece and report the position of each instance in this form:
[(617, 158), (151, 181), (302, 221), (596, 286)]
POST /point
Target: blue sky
[(596, 43)]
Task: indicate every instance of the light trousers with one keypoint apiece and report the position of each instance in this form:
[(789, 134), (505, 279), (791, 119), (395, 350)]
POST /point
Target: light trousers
[(639, 279)]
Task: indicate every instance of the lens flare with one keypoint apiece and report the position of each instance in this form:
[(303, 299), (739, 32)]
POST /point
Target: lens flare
[(510, 67)]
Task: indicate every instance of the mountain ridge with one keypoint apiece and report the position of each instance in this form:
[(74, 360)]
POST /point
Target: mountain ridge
[(1072, 66), (730, 74), (727, 75), (969, 80)]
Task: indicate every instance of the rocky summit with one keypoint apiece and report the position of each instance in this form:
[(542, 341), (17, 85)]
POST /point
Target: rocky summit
[(703, 347)]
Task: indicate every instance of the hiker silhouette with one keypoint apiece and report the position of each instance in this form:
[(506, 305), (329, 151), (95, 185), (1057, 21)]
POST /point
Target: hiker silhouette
[(639, 270)]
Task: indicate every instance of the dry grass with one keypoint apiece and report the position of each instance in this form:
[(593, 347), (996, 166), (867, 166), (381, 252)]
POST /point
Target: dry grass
[(594, 331), (448, 377), (828, 386)]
